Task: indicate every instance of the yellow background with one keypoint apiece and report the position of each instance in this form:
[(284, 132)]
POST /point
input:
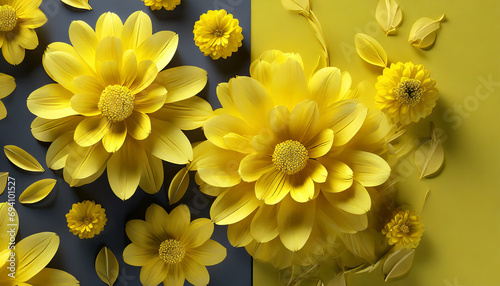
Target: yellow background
[(461, 245)]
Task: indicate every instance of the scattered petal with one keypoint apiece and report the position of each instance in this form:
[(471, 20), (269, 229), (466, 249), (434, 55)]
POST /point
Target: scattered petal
[(388, 16), (370, 50), (106, 266), (423, 32), (37, 191), (22, 159)]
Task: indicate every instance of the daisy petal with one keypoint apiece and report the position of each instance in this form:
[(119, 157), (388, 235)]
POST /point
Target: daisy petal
[(288, 83), (124, 173), (198, 232), (91, 130), (84, 39), (320, 144), (196, 273), (340, 176), (138, 125), (152, 174), (264, 227), (136, 29), (108, 24), (139, 256), (219, 126), (238, 233), (354, 200), (175, 276), (324, 85), (251, 99), (182, 82), (335, 219), (345, 119), (86, 104), (34, 19), (186, 114), (151, 99), (51, 101), (252, 167), (12, 52), (295, 222), (84, 162), (234, 204), (114, 139), (369, 169), (154, 272), (27, 38), (159, 48), (48, 130), (141, 234), (302, 187), (303, 119), (178, 221), (209, 253), (272, 187)]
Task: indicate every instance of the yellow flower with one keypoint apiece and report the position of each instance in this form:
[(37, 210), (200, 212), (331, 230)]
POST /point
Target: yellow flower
[(7, 86), (18, 19), (113, 109), (404, 229), (406, 92), (170, 248), (158, 4), (291, 153), (217, 34), (86, 219)]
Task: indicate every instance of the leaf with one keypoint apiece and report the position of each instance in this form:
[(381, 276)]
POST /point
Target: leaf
[(178, 186), (106, 266), (423, 32), (429, 157), (37, 191), (22, 159), (296, 5), (370, 50), (4, 176), (80, 4), (398, 263), (388, 15)]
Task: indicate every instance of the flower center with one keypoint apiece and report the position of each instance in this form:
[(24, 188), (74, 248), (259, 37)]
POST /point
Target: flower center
[(8, 18), (171, 251), (404, 228), (116, 102), (290, 157), (219, 33), (409, 92)]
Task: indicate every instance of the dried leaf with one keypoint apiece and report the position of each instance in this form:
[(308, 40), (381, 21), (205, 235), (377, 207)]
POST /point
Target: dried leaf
[(398, 263), (429, 157), (370, 50), (4, 176), (178, 186), (423, 32), (37, 191), (106, 266), (388, 15), (80, 4), (22, 159), (296, 5)]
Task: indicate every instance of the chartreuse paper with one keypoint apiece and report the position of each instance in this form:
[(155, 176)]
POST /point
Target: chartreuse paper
[(446, 187)]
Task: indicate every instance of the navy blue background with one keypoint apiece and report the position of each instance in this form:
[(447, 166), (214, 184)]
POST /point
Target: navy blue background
[(77, 256)]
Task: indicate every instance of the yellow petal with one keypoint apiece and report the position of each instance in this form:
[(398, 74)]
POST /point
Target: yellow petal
[(370, 50), (212, 165), (32, 19), (295, 222), (210, 253), (106, 266), (316, 171), (198, 232), (279, 121), (80, 182), (206, 188), (288, 83), (252, 167), (58, 151), (108, 24), (27, 38), (303, 119), (83, 162), (264, 227), (302, 187), (3, 182), (152, 174), (139, 256), (129, 68), (182, 82), (7, 85), (55, 277), (115, 137), (110, 73), (423, 32), (3, 111), (175, 276), (80, 4), (219, 126), (136, 29), (325, 86), (369, 169), (85, 104), (186, 114), (35, 252), (338, 220), (22, 159), (345, 118), (12, 52), (84, 40), (91, 130), (340, 176), (388, 15), (226, 99), (398, 263), (9, 225), (37, 191), (321, 144), (159, 48), (261, 71), (178, 186), (88, 84), (139, 125), (109, 49), (177, 223), (141, 233), (48, 130), (272, 187), (151, 99), (234, 204), (238, 233), (146, 74), (251, 99), (124, 173), (354, 200), (238, 143), (52, 101), (153, 273), (196, 273)]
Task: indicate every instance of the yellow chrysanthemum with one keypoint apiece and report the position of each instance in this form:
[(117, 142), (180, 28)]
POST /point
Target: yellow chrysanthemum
[(7, 86), (170, 248), (217, 34), (113, 109), (158, 4), (406, 92), (404, 229), (18, 19), (284, 154), (86, 219)]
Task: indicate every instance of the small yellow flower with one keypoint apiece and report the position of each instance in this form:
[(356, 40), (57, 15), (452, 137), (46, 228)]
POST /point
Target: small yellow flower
[(217, 34), (86, 219), (158, 4), (18, 19), (406, 92), (7, 86), (404, 229), (170, 248)]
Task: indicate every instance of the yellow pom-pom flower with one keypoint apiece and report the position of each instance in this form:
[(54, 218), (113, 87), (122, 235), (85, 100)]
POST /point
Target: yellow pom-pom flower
[(406, 92), (217, 34), (86, 219), (170, 248), (18, 19), (7, 86), (404, 229), (158, 4)]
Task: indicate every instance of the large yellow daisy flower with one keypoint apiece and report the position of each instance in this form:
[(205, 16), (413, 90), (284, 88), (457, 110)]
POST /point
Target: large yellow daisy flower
[(170, 248), (18, 19), (289, 152), (406, 92), (113, 108)]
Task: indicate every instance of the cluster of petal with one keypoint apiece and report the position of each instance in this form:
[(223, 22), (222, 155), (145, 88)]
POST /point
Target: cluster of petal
[(285, 154), (404, 229), (18, 19), (86, 219), (158, 4), (113, 109), (7, 86), (406, 92), (217, 34), (189, 249)]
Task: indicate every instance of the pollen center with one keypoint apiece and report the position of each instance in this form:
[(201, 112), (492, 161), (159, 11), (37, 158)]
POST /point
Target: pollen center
[(409, 92), (290, 157), (116, 102), (404, 228), (219, 33), (8, 18), (171, 251)]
